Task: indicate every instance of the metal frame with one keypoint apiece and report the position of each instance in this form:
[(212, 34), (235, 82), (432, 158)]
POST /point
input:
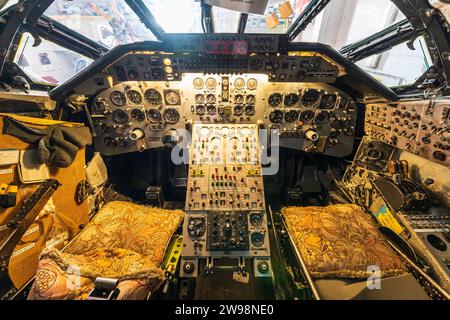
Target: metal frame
[(27, 15), (306, 17), (146, 17), (381, 41)]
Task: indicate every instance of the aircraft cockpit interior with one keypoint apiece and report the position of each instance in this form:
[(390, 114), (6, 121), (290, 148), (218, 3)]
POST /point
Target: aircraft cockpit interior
[(224, 150)]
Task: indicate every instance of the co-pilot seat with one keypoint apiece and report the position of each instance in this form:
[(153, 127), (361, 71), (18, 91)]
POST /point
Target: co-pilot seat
[(125, 242), (342, 247)]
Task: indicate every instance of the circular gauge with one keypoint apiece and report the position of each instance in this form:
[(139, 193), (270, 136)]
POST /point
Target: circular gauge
[(239, 99), (120, 116), (211, 99), (196, 227), (337, 124), (257, 239), (307, 116), (238, 110), (138, 115), (310, 98), (110, 142), (252, 84), (249, 110), (374, 154), (291, 100), (328, 101), (291, 116), (276, 116), (171, 116), (199, 99), (204, 131), (172, 97), (322, 118), (211, 83), (134, 96), (244, 132), (200, 110), (154, 115), (199, 83), (153, 97), (256, 219), (239, 84), (275, 100), (211, 110), (251, 99), (118, 98)]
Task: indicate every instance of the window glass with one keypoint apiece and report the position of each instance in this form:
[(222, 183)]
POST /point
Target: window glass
[(48, 63), (177, 16), (6, 4), (257, 23), (347, 21), (400, 65), (109, 22), (225, 21)]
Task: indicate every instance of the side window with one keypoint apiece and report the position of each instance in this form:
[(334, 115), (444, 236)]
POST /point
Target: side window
[(48, 63), (399, 66)]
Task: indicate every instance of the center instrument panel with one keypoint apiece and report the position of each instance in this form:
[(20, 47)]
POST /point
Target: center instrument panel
[(225, 205)]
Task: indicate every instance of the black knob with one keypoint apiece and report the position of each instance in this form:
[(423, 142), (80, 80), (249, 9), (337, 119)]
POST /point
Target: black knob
[(263, 267), (188, 267)]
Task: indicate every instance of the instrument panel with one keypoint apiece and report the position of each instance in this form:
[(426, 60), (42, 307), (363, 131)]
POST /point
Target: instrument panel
[(139, 115)]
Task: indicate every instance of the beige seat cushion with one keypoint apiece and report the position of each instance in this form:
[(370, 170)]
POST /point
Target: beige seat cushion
[(340, 241), (124, 241)]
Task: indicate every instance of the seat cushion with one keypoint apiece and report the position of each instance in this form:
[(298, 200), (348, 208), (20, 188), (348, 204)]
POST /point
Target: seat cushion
[(403, 287), (340, 241), (126, 225), (66, 276), (124, 241)]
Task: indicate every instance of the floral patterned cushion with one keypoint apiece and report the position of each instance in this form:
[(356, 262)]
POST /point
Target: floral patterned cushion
[(124, 241), (340, 241)]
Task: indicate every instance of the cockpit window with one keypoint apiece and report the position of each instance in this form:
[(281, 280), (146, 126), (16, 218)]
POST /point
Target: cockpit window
[(225, 21), (258, 24), (177, 16), (343, 22), (399, 66), (6, 4), (48, 63), (109, 22)]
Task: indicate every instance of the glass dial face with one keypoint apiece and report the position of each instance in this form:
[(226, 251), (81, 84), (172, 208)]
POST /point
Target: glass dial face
[(239, 99), (153, 97), (275, 100), (291, 100), (119, 116), (291, 116), (239, 84), (310, 98), (199, 99), (251, 99), (211, 110), (276, 116), (211, 99), (238, 110), (171, 116), (322, 118), (138, 115), (250, 110), (199, 83), (118, 98), (154, 115), (328, 101), (211, 83), (200, 110), (134, 96), (172, 97), (252, 84), (257, 239), (307, 116)]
